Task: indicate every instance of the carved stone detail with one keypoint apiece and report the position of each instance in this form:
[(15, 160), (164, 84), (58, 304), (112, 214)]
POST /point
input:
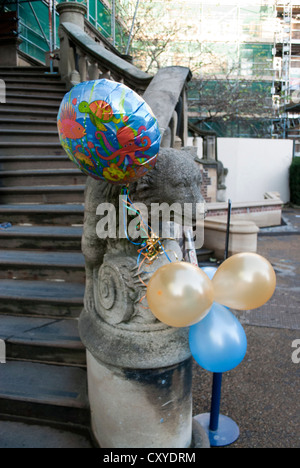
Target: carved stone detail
[(115, 293)]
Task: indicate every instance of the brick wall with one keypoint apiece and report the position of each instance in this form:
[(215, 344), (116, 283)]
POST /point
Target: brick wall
[(209, 184)]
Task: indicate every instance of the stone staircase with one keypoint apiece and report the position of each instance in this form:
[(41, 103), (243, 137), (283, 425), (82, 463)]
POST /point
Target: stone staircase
[(43, 392), (42, 273)]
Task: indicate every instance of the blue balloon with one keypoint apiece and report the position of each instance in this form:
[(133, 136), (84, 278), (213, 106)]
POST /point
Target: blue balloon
[(218, 343), (210, 271)]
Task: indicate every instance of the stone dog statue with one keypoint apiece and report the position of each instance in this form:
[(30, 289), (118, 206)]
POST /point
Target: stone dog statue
[(115, 295)]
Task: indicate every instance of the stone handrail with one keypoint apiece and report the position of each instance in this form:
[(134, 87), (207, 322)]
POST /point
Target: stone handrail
[(82, 58), (167, 97)]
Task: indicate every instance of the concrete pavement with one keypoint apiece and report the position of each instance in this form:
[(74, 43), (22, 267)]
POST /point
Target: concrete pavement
[(262, 395)]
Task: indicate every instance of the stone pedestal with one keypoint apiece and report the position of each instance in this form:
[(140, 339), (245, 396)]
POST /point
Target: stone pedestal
[(139, 373), (243, 236), (139, 369), (138, 408)]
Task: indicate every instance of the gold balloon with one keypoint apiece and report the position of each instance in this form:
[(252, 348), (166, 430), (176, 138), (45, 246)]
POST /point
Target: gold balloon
[(244, 281), (180, 294)]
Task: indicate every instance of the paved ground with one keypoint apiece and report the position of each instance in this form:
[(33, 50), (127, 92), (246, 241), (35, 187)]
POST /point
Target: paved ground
[(20, 435), (263, 394)]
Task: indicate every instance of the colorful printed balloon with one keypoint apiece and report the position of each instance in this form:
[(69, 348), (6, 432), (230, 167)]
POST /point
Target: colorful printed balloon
[(108, 131)]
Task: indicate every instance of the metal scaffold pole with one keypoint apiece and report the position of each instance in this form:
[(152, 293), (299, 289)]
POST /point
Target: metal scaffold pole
[(51, 35), (113, 22), (132, 26)]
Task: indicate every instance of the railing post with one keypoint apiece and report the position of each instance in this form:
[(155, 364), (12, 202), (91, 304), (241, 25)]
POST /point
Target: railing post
[(93, 71), (83, 65), (185, 117), (70, 12)]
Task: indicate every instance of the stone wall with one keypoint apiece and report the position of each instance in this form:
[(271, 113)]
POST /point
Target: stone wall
[(264, 214)]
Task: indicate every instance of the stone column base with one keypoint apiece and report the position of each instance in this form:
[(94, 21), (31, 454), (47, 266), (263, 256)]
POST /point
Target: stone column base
[(146, 408)]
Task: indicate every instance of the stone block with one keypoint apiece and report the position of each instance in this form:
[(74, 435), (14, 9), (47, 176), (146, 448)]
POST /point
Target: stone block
[(140, 408), (9, 52), (243, 236)]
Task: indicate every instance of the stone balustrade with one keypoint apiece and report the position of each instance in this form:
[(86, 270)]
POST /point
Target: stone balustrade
[(85, 56)]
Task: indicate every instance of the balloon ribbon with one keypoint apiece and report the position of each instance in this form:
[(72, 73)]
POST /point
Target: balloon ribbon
[(152, 246)]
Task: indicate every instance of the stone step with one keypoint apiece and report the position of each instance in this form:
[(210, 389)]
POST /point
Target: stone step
[(33, 80), (25, 435), (28, 114), (41, 298), (48, 238), (58, 214), (38, 70), (29, 92), (39, 177), (43, 194), (9, 163), (42, 340), (34, 99), (23, 105), (42, 266), (31, 148), (17, 135), (36, 85), (29, 71), (44, 392), (23, 124)]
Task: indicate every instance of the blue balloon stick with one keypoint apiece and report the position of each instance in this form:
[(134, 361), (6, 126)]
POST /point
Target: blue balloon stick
[(220, 429), (215, 401), (217, 377)]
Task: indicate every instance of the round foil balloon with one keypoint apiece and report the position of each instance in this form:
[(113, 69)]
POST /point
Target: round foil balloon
[(180, 294), (244, 281), (108, 131)]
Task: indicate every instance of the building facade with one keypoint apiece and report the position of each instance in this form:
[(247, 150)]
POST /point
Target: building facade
[(286, 86), (243, 54)]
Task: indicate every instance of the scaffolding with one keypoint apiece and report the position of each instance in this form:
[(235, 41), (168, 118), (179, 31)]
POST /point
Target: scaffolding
[(286, 82), (286, 52), (34, 28)]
